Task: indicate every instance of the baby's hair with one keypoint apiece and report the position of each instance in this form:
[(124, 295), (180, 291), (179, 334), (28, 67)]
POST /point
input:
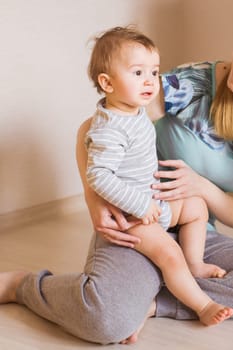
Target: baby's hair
[(107, 46)]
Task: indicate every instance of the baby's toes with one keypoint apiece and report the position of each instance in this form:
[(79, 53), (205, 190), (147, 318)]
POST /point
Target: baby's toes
[(219, 273)]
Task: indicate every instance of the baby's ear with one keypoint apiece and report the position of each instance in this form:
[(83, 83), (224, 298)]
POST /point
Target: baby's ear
[(104, 81)]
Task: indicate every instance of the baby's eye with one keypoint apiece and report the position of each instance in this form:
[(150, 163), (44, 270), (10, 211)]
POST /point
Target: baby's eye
[(154, 73), (138, 72)]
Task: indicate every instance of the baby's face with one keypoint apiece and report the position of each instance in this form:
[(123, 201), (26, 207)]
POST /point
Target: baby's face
[(134, 77)]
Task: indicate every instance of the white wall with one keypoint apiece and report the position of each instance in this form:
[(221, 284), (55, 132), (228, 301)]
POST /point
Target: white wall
[(45, 93)]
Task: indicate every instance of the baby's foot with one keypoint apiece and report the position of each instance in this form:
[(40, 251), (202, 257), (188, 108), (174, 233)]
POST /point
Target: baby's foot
[(206, 270), (134, 337), (214, 313), (9, 282)]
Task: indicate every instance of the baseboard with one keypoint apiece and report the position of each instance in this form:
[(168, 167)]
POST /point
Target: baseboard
[(43, 211)]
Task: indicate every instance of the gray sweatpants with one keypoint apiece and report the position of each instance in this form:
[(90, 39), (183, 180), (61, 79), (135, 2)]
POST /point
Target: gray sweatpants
[(108, 302)]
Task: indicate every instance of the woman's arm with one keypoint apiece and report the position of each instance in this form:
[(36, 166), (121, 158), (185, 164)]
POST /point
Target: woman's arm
[(187, 183), (106, 218)]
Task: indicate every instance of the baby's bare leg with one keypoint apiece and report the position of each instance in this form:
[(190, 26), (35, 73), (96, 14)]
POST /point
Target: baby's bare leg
[(158, 246), (192, 215)]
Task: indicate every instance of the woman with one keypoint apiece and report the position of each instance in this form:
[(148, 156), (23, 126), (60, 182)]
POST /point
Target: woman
[(189, 135), (109, 301)]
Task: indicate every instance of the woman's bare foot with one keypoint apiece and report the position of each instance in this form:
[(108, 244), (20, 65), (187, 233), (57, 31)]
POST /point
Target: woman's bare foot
[(134, 337), (9, 282), (206, 270), (214, 313)]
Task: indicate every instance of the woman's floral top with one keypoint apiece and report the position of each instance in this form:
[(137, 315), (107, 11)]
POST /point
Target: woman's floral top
[(189, 91)]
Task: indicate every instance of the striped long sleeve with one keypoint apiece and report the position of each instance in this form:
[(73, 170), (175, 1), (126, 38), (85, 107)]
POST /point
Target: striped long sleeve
[(121, 161)]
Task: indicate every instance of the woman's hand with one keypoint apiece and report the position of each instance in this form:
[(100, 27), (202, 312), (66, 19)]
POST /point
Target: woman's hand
[(109, 221), (185, 181)]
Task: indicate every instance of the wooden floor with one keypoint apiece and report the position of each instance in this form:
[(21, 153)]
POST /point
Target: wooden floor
[(59, 243)]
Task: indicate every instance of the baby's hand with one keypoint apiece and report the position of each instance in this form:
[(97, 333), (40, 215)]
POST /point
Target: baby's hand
[(152, 214)]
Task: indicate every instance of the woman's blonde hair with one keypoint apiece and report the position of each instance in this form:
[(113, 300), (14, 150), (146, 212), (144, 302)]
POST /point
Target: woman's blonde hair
[(221, 111), (107, 46)]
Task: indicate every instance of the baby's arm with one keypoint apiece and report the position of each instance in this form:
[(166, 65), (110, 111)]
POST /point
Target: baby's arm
[(106, 151)]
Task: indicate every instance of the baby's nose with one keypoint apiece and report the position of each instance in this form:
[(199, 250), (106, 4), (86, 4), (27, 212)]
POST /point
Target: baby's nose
[(148, 81)]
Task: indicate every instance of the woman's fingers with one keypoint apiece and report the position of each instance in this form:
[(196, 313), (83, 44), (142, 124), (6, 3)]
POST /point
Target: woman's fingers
[(169, 185), (174, 194), (173, 174), (173, 163), (111, 225), (119, 238), (123, 223), (182, 179)]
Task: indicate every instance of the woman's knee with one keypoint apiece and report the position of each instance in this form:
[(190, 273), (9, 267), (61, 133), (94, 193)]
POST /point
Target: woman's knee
[(105, 327)]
